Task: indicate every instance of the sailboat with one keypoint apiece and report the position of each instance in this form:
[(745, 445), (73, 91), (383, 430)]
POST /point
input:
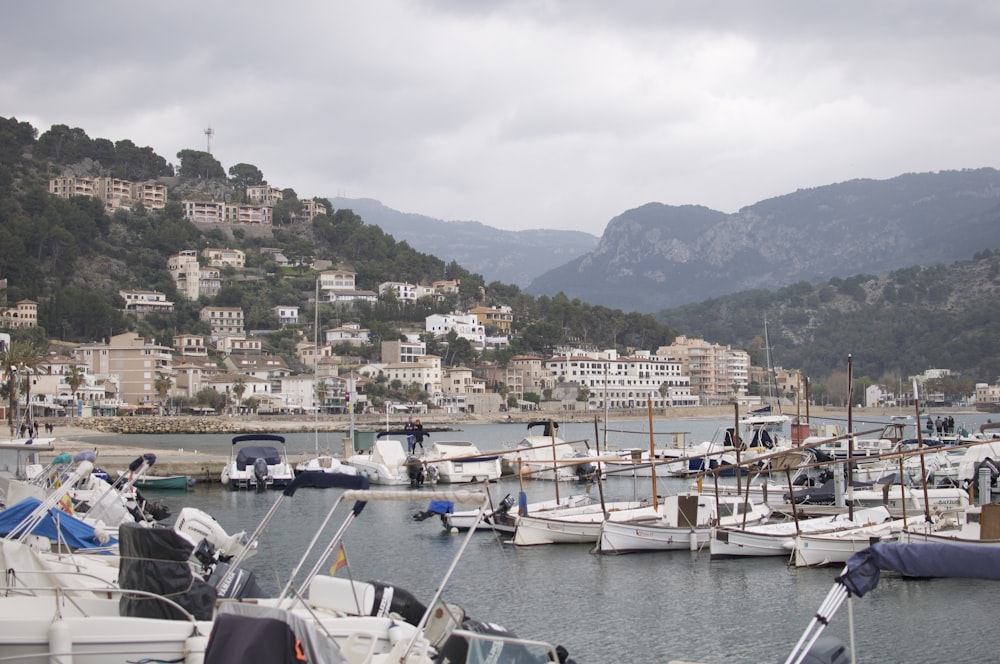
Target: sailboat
[(326, 462)]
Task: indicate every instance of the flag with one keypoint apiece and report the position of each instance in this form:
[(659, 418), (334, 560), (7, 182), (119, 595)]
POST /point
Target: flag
[(339, 561)]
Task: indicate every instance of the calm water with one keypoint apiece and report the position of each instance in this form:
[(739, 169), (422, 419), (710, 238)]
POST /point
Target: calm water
[(605, 609)]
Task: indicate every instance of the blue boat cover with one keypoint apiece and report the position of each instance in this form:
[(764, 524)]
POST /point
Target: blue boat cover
[(925, 560), (247, 455), (76, 533), (441, 507)]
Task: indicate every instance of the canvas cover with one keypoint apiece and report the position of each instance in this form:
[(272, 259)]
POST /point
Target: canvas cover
[(247, 455), (922, 560), (75, 533), (155, 560)]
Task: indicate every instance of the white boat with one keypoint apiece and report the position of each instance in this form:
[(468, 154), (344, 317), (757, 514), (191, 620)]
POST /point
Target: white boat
[(163, 611), (324, 463), (978, 525), (546, 456), (460, 462), (820, 549), (504, 517), (385, 463), (778, 539), (577, 525), (257, 467), (685, 522)]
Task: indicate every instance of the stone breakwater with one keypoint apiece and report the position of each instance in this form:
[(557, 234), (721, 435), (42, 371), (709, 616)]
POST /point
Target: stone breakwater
[(197, 425)]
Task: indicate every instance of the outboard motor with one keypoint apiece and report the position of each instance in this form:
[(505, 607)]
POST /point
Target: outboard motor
[(456, 648), (585, 472), (260, 473), (415, 471), (393, 599)]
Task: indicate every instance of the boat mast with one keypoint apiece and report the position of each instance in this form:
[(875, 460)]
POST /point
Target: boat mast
[(771, 381), (316, 368)]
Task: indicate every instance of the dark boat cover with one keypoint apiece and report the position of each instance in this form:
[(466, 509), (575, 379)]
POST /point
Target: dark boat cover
[(155, 560), (251, 633), (247, 455), (924, 560), (74, 532)]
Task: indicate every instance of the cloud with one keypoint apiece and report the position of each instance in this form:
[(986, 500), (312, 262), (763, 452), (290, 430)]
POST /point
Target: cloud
[(529, 114)]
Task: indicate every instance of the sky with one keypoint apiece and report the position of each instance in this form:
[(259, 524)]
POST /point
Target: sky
[(523, 114)]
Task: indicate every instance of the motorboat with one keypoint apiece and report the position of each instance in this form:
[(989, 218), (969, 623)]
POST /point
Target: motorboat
[(543, 455), (385, 463), (778, 539), (460, 462), (167, 608), (503, 518), (685, 522), (325, 463), (256, 466)]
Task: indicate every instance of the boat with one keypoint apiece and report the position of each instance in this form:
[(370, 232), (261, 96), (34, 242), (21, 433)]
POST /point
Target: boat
[(861, 575), (978, 525), (324, 463), (578, 525), (167, 609), (546, 456), (685, 522), (385, 463), (257, 467), (503, 518), (778, 539), (835, 548), (460, 462), (163, 482)]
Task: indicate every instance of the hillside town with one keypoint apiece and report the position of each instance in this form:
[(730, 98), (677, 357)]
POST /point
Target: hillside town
[(128, 374)]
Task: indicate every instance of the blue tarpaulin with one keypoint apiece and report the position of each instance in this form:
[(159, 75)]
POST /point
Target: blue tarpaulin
[(924, 560), (74, 532), (441, 507)]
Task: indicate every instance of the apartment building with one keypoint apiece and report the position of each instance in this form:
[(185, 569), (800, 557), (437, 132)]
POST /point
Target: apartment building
[(191, 278), (718, 374), (190, 345), (115, 193), (502, 318), (223, 321), (625, 382), (136, 362), (224, 257), (140, 303), (264, 194), (24, 313), (337, 280), (226, 213), (402, 352), (426, 373), (466, 326), (351, 333)]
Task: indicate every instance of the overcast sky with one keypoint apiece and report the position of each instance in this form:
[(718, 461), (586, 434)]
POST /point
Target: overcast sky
[(523, 114)]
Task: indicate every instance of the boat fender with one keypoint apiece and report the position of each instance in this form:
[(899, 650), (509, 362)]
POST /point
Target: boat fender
[(393, 599), (60, 642), (194, 649), (522, 503)]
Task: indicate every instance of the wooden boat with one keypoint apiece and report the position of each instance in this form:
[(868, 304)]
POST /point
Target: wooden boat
[(820, 549), (778, 539), (504, 518), (577, 525), (685, 522), (164, 482)]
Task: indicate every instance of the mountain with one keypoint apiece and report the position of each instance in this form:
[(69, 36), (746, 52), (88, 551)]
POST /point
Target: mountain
[(511, 257), (659, 256)]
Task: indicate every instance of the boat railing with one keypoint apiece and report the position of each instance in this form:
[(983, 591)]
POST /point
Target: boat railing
[(481, 647), (13, 582), (62, 594)]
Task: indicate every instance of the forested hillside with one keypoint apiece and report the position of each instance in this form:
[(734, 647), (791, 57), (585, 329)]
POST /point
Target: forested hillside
[(893, 326), (73, 259)]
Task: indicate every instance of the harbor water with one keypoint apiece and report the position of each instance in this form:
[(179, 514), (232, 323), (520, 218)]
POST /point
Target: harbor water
[(652, 607)]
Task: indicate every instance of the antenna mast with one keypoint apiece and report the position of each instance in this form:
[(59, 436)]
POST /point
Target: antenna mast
[(208, 135)]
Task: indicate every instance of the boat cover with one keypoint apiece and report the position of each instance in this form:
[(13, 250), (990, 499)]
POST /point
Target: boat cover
[(247, 455), (156, 560), (925, 560), (77, 534), (253, 633)]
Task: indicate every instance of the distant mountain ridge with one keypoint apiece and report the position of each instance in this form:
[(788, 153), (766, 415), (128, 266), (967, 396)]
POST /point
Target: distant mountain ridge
[(511, 257), (658, 256)]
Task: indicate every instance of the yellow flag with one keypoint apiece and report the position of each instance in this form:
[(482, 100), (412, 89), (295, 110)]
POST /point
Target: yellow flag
[(339, 561)]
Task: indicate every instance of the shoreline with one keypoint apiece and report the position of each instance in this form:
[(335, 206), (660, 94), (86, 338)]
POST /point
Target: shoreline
[(71, 435)]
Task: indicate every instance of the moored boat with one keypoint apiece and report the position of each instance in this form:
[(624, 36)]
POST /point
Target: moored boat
[(257, 467)]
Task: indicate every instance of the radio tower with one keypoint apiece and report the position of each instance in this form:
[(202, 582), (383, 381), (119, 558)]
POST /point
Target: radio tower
[(208, 134)]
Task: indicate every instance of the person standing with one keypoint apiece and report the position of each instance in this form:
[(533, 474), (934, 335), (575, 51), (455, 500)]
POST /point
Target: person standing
[(418, 436)]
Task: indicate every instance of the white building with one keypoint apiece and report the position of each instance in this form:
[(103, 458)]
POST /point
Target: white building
[(625, 382), (466, 326)]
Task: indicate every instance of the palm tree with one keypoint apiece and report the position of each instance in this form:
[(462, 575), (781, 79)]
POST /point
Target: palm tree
[(322, 389), (19, 362), (162, 385), (239, 387), (74, 378)]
